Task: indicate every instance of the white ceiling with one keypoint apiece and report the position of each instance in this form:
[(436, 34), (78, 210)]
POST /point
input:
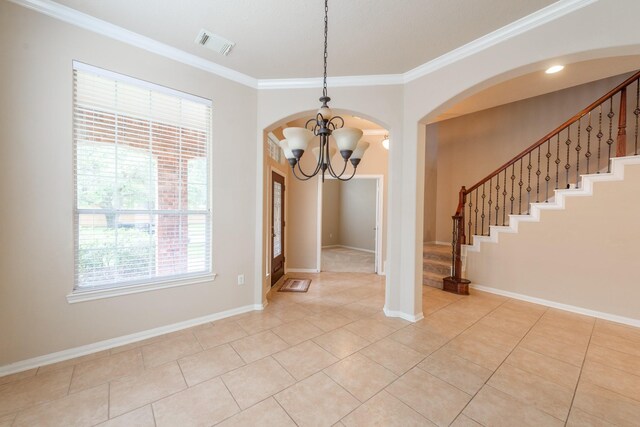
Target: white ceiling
[(283, 38)]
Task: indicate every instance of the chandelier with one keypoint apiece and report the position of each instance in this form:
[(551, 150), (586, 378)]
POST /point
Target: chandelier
[(323, 125)]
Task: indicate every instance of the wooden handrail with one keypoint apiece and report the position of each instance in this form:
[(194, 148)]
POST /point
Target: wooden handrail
[(456, 283), (559, 129)]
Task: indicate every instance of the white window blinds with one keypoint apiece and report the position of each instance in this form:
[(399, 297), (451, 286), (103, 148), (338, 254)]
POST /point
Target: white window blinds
[(142, 194)]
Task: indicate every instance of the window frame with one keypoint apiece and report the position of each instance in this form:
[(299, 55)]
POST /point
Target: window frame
[(87, 293)]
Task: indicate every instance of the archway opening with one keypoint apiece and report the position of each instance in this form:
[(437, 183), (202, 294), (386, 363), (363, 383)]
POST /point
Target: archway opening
[(477, 131), (306, 237)]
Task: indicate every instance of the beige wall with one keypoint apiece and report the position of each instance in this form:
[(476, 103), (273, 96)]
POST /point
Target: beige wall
[(587, 251), (331, 212), (35, 165), (349, 213), (358, 214), (36, 190), (470, 147)]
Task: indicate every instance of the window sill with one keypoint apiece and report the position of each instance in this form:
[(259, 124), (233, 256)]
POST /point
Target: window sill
[(80, 295)]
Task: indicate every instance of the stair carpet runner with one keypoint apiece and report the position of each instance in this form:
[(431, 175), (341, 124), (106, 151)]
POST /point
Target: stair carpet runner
[(436, 264)]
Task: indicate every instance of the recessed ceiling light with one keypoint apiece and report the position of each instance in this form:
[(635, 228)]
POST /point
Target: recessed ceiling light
[(554, 69)]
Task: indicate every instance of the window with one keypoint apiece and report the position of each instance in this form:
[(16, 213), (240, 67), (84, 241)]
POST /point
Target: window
[(142, 195), (274, 147)]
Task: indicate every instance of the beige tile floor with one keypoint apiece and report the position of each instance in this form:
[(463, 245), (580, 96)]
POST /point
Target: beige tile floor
[(330, 357)]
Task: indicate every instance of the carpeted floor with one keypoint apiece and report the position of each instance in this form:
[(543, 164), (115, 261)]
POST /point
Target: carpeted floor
[(345, 260)]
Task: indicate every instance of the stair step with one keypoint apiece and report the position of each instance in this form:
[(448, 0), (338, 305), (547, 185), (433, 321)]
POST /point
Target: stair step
[(436, 267), (436, 264), (433, 279), (432, 283)]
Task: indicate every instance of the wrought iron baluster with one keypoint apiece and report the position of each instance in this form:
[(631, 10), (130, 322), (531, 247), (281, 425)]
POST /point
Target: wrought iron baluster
[(558, 161), (504, 196), (470, 221), (599, 135), (475, 222), (578, 148), (611, 114), (548, 177), (497, 208), (490, 203), (588, 153), (529, 167), (538, 173), (520, 184), (637, 113), (513, 180), (567, 165), (484, 196)]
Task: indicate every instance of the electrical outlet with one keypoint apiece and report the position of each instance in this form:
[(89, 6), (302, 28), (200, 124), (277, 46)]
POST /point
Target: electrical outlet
[(240, 279)]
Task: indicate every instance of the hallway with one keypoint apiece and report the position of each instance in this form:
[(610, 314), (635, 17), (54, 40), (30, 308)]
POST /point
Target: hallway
[(330, 356), (345, 260)]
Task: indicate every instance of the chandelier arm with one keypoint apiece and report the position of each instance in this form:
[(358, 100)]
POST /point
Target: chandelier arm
[(333, 172), (315, 125), (334, 125), (346, 179), (306, 178), (315, 172)]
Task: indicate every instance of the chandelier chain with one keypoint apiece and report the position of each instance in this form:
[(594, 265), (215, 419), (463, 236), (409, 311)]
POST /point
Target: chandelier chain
[(326, 33)]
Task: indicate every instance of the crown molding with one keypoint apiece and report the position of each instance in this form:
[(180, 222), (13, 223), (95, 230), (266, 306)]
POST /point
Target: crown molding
[(88, 22), (343, 81), (529, 22)]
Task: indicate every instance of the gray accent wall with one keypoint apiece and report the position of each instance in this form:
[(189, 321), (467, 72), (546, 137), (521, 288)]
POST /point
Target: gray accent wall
[(349, 213)]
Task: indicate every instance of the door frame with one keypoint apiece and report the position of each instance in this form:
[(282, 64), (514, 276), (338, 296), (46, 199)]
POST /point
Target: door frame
[(379, 266), (269, 248)]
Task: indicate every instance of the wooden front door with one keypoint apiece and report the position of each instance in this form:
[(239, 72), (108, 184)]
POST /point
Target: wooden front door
[(277, 227)]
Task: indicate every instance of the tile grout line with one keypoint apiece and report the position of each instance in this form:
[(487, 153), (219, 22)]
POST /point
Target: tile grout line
[(444, 344), (283, 408), (498, 367), (109, 400), (153, 414), (232, 396), (573, 397)]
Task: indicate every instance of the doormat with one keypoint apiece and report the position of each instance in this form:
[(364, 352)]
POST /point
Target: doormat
[(295, 285)]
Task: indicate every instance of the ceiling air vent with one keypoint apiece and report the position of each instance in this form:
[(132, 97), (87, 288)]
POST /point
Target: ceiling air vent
[(214, 42)]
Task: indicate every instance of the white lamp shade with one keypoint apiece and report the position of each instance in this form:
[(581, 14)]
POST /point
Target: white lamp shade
[(298, 138), (316, 152), (385, 143), (360, 149), (285, 148), (347, 138)]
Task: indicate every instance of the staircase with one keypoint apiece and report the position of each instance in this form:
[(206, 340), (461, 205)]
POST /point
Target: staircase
[(436, 264), (565, 162)]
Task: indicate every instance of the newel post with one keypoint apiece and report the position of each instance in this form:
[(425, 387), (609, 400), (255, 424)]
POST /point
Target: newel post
[(455, 283), (621, 146)]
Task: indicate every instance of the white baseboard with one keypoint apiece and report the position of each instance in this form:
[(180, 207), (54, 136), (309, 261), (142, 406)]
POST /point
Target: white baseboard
[(302, 270), (72, 353), (358, 249), (560, 306), (349, 247), (409, 317)]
